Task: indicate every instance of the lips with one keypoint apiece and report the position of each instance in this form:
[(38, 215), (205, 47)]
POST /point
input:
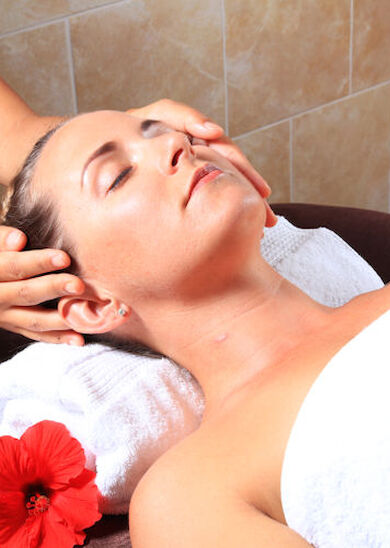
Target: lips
[(200, 174)]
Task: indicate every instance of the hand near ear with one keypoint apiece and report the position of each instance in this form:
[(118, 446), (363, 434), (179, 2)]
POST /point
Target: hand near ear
[(26, 281)]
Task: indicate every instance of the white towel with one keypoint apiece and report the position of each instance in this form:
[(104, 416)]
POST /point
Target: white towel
[(335, 483), (127, 410)]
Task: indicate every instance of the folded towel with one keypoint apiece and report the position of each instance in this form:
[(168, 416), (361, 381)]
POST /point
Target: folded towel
[(127, 410), (335, 483), (319, 262)]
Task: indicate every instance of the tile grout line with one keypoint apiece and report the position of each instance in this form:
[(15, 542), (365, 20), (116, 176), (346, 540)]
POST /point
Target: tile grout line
[(291, 162), (71, 65), (60, 18), (223, 18), (351, 30), (388, 191), (314, 109)]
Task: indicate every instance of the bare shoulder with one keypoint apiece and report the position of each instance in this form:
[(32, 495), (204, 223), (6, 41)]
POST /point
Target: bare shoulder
[(377, 301), (181, 502), (155, 492), (366, 306), (361, 311), (386, 291)]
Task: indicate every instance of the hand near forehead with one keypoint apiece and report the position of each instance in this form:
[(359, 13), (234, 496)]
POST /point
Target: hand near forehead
[(184, 118), (26, 280)]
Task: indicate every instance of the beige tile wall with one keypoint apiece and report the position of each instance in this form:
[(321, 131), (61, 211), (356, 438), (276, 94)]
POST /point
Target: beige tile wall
[(302, 86)]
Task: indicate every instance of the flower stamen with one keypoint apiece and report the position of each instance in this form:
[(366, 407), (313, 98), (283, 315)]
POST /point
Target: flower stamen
[(37, 504)]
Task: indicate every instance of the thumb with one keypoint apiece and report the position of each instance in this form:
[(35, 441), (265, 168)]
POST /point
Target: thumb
[(11, 239), (205, 129)]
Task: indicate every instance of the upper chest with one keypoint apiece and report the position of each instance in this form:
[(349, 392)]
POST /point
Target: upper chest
[(244, 448)]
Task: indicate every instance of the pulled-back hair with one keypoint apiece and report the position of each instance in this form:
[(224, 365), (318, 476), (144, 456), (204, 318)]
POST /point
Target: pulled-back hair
[(38, 218)]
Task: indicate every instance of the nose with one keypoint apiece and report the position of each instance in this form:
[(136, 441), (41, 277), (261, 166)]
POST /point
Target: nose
[(177, 149)]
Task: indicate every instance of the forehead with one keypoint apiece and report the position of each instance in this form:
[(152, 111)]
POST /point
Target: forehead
[(70, 145)]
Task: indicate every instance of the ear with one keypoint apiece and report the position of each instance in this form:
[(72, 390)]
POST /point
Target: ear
[(93, 314)]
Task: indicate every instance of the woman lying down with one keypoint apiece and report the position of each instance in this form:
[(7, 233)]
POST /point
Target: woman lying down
[(165, 234)]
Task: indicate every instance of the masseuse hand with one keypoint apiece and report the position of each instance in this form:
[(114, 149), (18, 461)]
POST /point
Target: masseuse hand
[(184, 118), (21, 291)]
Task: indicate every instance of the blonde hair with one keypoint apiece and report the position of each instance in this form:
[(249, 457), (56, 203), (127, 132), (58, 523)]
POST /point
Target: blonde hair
[(5, 199)]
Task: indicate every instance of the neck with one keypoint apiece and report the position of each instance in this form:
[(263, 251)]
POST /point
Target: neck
[(227, 340)]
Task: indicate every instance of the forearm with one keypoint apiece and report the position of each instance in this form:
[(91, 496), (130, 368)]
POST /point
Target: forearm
[(20, 128)]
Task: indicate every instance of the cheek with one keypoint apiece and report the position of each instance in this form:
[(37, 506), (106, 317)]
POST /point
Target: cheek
[(132, 243)]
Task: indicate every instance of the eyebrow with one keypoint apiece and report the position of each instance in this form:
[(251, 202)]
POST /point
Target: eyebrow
[(112, 145), (103, 149)]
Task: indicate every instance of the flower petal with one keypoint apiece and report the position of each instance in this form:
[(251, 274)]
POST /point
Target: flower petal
[(34, 530), (16, 468), (57, 533), (27, 536), (13, 514), (78, 504), (57, 455)]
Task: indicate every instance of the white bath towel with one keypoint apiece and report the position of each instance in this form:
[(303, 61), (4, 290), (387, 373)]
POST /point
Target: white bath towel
[(335, 483), (127, 410)]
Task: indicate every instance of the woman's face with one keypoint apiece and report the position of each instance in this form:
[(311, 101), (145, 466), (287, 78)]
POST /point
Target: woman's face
[(127, 208)]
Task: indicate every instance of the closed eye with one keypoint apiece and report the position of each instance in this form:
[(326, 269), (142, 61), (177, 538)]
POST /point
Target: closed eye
[(118, 180), (123, 173)]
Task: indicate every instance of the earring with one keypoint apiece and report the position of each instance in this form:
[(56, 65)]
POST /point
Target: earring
[(121, 312)]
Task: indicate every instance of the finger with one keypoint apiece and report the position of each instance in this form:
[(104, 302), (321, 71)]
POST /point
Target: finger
[(198, 141), (253, 175), (11, 239), (239, 160), (243, 164), (33, 318), (181, 117), (225, 147), (56, 337), (19, 266), (271, 218), (38, 290)]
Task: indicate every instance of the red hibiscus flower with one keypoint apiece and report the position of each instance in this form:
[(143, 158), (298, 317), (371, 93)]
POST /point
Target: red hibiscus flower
[(47, 497)]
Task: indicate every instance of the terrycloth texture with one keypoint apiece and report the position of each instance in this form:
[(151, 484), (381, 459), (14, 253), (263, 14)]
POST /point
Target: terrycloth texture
[(127, 410), (335, 483), (319, 262)]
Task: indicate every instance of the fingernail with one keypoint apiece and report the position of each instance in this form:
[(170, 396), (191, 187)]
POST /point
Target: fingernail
[(58, 260), (74, 342), (207, 126), (71, 287), (211, 125), (13, 239)]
